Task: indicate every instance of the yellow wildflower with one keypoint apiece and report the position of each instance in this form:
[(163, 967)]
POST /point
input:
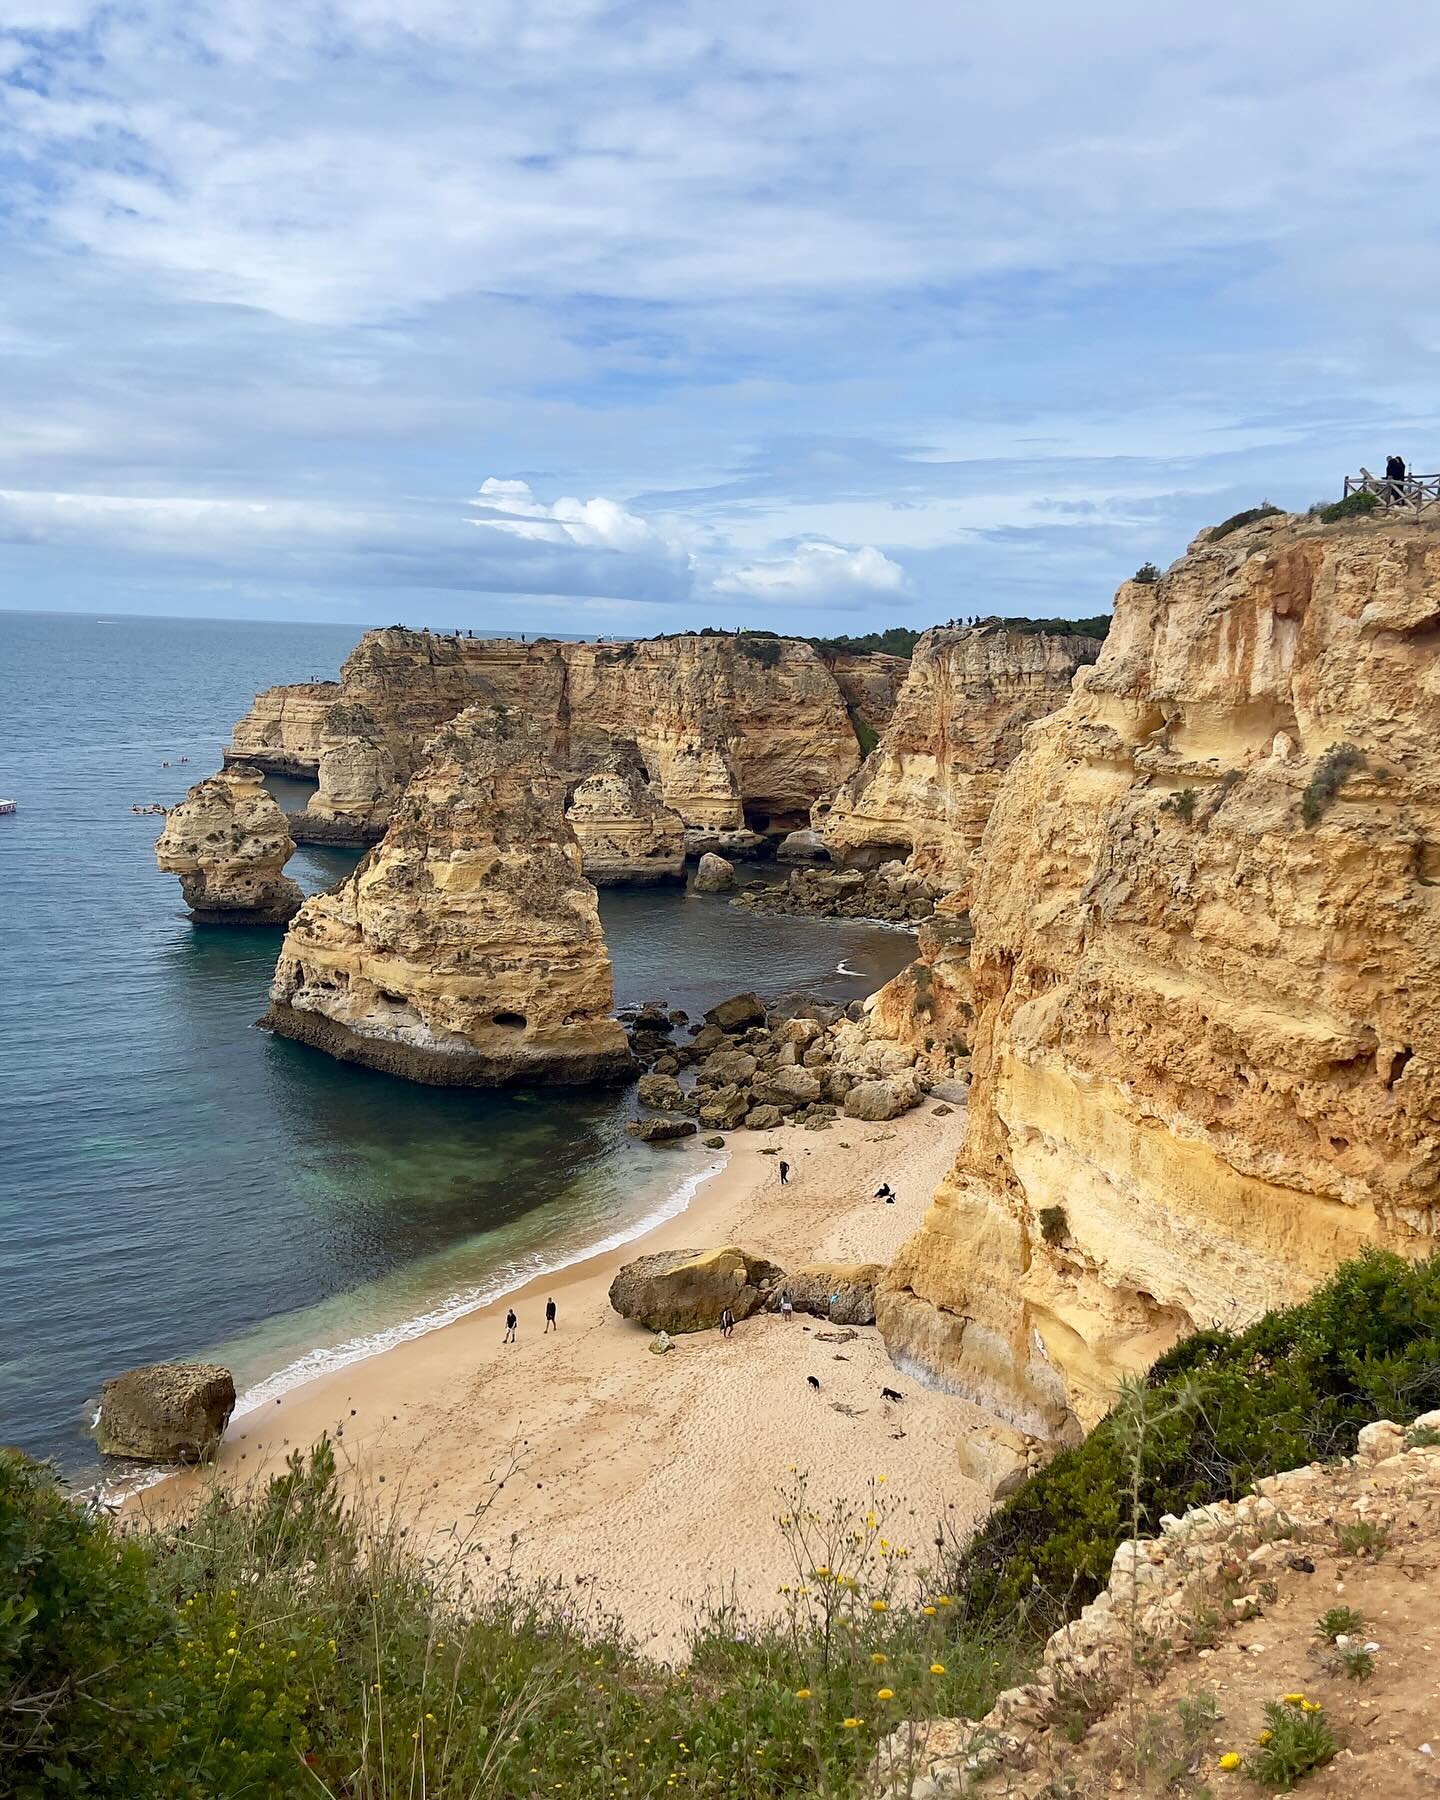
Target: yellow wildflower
[(800, 1694), (1312, 1706), (878, 1657), (943, 1600), (1293, 1699), (929, 1612), (850, 1724), (1264, 1737), (937, 1668), (885, 1693), (1229, 1760), (879, 1606)]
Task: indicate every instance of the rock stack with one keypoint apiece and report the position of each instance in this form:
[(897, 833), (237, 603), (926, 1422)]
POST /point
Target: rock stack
[(466, 948), (227, 841)]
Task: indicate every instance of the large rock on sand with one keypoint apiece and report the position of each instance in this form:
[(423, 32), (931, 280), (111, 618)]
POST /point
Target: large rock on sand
[(851, 1284), (882, 1099), (687, 1290), (166, 1412)]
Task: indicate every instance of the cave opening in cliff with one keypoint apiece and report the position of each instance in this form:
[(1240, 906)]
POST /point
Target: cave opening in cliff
[(512, 1020)]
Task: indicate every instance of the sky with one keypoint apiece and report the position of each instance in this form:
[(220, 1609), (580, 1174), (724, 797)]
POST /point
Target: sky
[(818, 316)]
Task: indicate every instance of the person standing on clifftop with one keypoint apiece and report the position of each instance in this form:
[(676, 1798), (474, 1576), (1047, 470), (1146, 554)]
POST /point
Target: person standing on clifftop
[(1395, 472), (510, 1323), (550, 1324)]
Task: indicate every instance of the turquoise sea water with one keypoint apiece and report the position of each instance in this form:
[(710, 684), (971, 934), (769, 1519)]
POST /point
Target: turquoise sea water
[(176, 1183)]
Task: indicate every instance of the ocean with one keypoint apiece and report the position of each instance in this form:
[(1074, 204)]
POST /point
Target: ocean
[(174, 1183)]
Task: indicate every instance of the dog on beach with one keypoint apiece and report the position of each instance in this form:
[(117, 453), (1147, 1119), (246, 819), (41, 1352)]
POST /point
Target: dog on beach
[(890, 1394), (814, 1381)]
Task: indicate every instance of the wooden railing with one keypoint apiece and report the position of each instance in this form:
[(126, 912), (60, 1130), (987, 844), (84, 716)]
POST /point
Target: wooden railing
[(1413, 493)]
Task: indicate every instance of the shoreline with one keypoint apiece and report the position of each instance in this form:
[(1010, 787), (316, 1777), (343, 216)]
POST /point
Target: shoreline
[(654, 1478)]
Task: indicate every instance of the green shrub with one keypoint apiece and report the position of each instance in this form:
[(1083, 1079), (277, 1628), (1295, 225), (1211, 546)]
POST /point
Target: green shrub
[(1147, 574), (1331, 773), (761, 647), (1219, 1411), (1339, 1621), (1299, 1743), (1238, 521), (1054, 1225), (88, 1651), (1352, 506), (1181, 804), (866, 735)]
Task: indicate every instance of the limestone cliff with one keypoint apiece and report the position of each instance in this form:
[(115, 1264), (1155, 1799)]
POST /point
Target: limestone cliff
[(283, 731), (870, 687), (466, 948), (925, 792), (228, 843), (733, 732), (626, 833), (1206, 976)]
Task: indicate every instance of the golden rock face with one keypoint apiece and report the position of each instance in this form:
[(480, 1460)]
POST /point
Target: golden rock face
[(722, 725), (466, 948), (625, 831), (925, 793), (228, 842), (1205, 976)]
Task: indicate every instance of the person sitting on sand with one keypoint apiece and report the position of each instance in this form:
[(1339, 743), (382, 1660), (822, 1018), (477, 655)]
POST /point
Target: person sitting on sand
[(727, 1323), (510, 1323), (550, 1324)]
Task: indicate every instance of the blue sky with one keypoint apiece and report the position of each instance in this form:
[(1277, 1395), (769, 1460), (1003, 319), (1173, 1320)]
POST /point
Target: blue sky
[(625, 317)]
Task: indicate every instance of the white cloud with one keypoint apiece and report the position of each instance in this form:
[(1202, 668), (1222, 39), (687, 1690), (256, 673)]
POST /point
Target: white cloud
[(597, 524), (815, 572)]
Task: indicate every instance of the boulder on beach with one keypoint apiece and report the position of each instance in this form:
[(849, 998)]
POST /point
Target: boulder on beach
[(727, 1068), (662, 1091), (166, 1412), (660, 1131), (882, 1099), (714, 876), (852, 1286), (737, 1013), (713, 1143), (789, 1087), (764, 1118), (687, 1290)]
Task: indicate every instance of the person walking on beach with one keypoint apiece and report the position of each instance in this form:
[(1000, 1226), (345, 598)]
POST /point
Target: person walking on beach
[(784, 1174), (550, 1324), (727, 1323), (510, 1323)]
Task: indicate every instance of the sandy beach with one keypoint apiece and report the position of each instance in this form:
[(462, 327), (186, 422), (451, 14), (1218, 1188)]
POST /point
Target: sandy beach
[(658, 1477)]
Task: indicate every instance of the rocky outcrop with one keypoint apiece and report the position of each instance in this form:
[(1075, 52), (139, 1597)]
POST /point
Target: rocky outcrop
[(284, 730), (466, 948), (625, 832), (687, 1290), (166, 1412), (891, 893), (843, 1293), (924, 794), (870, 686), (714, 875), (735, 733), (660, 1131), (1205, 977), (227, 841)]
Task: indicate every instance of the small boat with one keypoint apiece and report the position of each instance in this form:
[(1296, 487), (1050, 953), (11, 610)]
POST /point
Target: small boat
[(7, 806)]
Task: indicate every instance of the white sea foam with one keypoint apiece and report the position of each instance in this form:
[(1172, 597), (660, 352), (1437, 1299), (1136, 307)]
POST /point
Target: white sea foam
[(327, 1359)]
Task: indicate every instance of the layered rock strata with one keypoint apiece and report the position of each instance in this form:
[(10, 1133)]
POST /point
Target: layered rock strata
[(736, 734), (923, 796), (625, 832), (1205, 977), (466, 948), (228, 842)]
